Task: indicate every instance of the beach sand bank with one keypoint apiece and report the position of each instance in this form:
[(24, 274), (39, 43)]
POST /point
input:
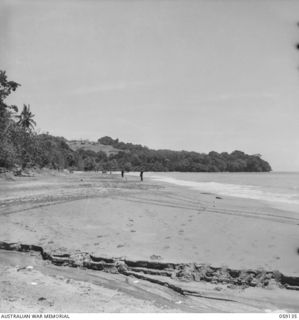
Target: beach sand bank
[(107, 216)]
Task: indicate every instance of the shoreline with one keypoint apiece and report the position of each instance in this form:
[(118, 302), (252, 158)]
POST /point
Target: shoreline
[(232, 190)]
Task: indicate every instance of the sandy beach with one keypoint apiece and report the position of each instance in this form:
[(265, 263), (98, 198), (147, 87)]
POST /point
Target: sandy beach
[(106, 216)]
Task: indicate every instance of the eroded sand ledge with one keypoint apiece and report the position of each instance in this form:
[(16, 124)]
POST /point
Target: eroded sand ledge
[(144, 269)]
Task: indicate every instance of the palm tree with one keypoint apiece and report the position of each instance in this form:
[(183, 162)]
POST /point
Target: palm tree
[(26, 118)]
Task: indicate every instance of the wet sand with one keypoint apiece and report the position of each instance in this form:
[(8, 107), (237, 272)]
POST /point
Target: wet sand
[(107, 216)]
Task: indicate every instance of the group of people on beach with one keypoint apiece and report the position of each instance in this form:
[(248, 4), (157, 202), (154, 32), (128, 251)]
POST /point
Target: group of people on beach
[(123, 174)]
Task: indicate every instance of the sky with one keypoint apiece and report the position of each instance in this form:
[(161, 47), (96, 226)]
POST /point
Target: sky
[(181, 74)]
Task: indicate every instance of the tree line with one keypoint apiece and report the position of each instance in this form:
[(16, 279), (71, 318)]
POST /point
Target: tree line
[(22, 147), (136, 157)]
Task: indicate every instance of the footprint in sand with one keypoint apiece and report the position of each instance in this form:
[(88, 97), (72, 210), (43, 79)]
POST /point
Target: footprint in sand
[(41, 299), (155, 257)]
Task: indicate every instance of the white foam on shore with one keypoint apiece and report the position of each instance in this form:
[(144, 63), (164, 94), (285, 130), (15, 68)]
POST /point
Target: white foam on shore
[(233, 190)]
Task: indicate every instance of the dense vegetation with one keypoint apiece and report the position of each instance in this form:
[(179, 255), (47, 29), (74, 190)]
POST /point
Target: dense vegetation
[(136, 157), (21, 147)]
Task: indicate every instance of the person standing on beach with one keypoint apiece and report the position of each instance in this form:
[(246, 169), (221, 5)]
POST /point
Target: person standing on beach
[(141, 175), (122, 173)]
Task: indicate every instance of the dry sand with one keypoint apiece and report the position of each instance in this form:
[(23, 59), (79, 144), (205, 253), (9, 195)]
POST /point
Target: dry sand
[(110, 217)]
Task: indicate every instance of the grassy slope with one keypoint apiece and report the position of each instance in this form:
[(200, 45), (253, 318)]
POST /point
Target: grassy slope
[(90, 145)]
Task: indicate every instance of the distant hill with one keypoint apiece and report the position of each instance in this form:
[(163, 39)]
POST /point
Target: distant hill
[(106, 154), (111, 154)]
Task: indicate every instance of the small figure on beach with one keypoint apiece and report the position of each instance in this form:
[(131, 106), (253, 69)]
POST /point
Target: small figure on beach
[(141, 175), (122, 173)]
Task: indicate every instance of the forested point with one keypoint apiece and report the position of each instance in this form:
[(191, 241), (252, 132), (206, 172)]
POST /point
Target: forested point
[(21, 147)]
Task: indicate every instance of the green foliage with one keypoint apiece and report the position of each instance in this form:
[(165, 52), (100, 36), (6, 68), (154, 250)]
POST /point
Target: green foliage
[(6, 87), (107, 141), (53, 152), (26, 118), (7, 124), (17, 139), (136, 157)]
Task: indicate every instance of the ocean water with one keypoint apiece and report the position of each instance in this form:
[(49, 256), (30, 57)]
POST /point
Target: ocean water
[(278, 188)]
